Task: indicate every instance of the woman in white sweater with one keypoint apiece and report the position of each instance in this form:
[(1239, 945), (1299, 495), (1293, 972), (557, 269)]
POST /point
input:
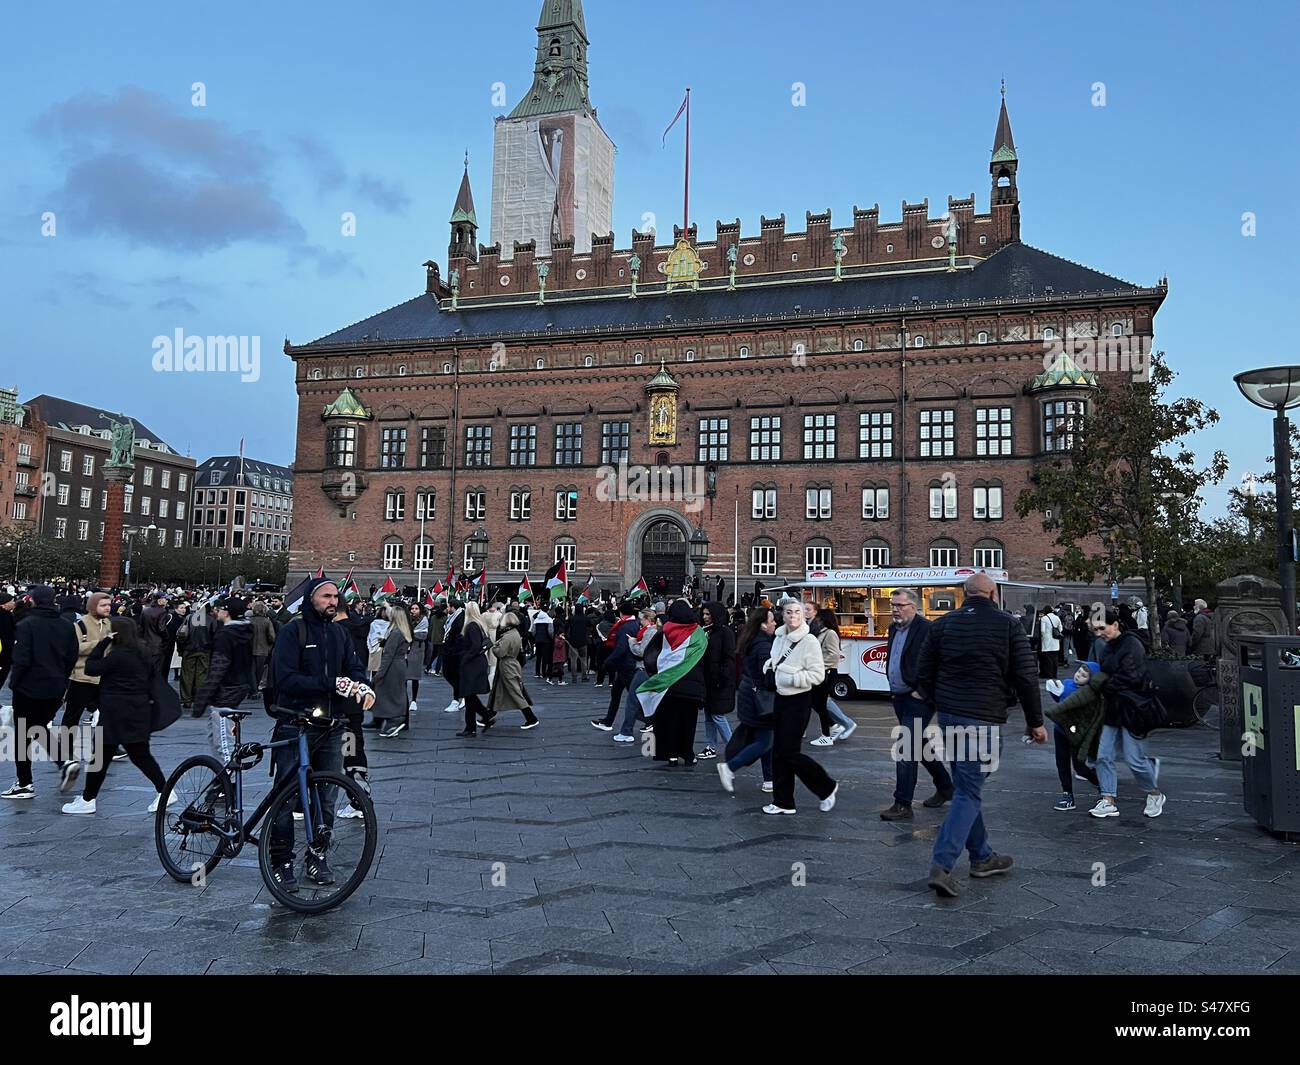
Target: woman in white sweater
[(796, 661)]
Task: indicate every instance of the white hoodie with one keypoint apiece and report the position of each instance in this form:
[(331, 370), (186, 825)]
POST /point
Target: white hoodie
[(804, 668)]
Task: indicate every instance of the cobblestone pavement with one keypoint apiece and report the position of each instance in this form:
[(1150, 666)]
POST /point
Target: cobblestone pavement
[(613, 864)]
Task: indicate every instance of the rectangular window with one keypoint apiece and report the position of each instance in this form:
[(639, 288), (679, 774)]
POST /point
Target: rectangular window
[(817, 504), (568, 552), (63, 494), (392, 449), (478, 445), (177, 541), (20, 511), (182, 479), (241, 498), (763, 560), (988, 558), (85, 498), (992, 431), (83, 530), (817, 557), (433, 447), (875, 504), (614, 442), (60, 528), (395, 506), (88, 465), (221, 517), (876, 434), (393, 556), (568, 444), (819, 436), (764, 500), (212, 498), (475, 506), (518, 560), (521, 506), (148, 477), (566, 505), (425, 505), (987, 504), (24, 451), (943, 557), (713, 443), (146, 506), (237, 539), (523, 445), (875, 556), (162, 509), (225, 497), (126, 503), (180, 510), (165, 479), (938, 433), (21, 479), (943, 503), (340, 447), (765, 438), (65, 461), (1061, 420), (239, 517), (424, 555)]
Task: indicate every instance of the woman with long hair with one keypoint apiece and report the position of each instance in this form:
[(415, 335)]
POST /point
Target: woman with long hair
[(752, 740), (472, 649), (508, 692), (419, 623), (126, 675), (390, 677)]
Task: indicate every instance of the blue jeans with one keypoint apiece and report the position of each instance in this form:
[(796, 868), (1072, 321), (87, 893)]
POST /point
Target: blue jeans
[(759, 749), (716, 725), (1144, 770), (325, 752), (632, 707), (963, 828), (914, 715)]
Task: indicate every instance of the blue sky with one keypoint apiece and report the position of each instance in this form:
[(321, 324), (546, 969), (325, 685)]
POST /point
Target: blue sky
[(225, 219)]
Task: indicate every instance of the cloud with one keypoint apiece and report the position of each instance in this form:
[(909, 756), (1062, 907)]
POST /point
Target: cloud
[(326, 167), (83, 287), (385, 195), (176, 303), (328, 263)]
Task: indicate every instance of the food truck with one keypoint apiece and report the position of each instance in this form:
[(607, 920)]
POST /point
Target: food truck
[(860, 599)]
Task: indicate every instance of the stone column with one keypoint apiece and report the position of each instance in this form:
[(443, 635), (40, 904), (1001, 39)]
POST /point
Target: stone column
[(110, 559)]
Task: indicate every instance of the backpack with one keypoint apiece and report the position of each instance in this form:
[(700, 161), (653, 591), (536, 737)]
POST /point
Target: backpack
[(271, 699)]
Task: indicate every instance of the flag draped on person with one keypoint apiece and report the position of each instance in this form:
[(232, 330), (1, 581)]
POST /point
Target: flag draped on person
[(525, 590), (557, 581), (682, 650), (387, 591), (639, 590)]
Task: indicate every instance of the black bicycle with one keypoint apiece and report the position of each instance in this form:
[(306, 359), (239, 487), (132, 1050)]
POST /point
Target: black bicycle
[(1205, 675), (327, 853)]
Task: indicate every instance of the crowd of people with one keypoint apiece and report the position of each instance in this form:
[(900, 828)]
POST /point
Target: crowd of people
[(757, 674)]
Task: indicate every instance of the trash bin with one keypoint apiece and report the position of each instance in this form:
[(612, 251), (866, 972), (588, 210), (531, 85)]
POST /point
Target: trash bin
[(1269, 686)]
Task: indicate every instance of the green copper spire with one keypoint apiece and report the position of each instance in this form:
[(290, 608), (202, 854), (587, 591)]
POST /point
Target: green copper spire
[(346, 406), (1063, 373), (1004, 144), (464, 209), (560, 75)]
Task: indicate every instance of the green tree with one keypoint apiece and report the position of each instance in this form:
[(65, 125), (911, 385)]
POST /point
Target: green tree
[(1130, 485)]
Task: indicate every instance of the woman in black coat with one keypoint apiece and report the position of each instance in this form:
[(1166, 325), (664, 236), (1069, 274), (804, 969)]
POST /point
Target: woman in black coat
[(471, 650), (719, 679), (679, 710), (752, 740), (125, 712)]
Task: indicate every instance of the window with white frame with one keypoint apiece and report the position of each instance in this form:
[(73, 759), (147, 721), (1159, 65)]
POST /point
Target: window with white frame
[(987, 554), (876, 434), (83, 530), (568, 444), (764, 504), (518, 557), (65, 461), (819, 436), (523, 445), (394, 505), (60, 528), (182, 479), (566, 551), (986, 502), (165, 479), (393, 555), (817, 556), (84, 499), (148, 477), (64, 491), (566, 504), (943, 554), (982, 337), (765, 438), (475, 504), (146, 506), (180, 510), (521, 504), (478, 445), (88, 465), (943, 501), (875, 503), (713, 440), (424, 551), (426, 505), (163, 508), (875, 553), (817, 504), (992, 431), (938, 432), (762, 559)]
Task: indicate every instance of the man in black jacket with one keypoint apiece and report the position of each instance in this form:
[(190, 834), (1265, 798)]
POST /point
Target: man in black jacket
[(45, 652), (975, 660), (907, 635), (313, 667), (230, 675), (7, 626)]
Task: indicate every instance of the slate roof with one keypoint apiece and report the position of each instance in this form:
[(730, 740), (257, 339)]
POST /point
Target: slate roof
[(228, 467), (1014, 271), (64, 414)]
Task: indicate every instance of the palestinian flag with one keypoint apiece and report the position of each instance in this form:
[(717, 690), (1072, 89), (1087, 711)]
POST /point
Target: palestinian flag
[(479, 585), (557, 581), (438, 591), (429, 601), (588, 590), (525, 590), (293, 600), (320, 573), (682, 650), (641, 589), (387, 591), (351, 593)]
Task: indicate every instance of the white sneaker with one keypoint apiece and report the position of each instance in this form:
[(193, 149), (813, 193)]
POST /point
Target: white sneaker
[(350, 812), (845, 731), (727, 777), (620, 738), (828, 804), (412, 708), (822, 741), (79, 806), (19, 791), (767, 787), (171, 801), (1155, 805), (772, 808), (1054, 687), (837, 731), (1104, 808), (452, 707)]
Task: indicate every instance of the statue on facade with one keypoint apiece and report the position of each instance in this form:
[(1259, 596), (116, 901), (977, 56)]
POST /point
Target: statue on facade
[(122, 454), (839, 248), (634, 267), (950, 231), (454, 282), (543, 272), (732, 254)]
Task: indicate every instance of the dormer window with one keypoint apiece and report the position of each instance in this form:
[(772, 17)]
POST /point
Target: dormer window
[(360, 371), (982, 337), (1049, 333), (555, 48), (918, 341), (1117, 329), (889, 248)]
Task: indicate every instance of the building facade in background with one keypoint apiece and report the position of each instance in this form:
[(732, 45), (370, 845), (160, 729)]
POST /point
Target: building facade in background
[(241, 503), (875, 394), (22, 457)]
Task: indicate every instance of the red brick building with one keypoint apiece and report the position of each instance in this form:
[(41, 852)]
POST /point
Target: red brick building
[(870, 394), (22, 458)]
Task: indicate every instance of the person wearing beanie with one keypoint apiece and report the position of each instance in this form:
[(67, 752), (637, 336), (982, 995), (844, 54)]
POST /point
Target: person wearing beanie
[(45, 653)]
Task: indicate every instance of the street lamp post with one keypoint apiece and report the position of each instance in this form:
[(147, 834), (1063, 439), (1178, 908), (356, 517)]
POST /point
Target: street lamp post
[(1277, 389), (697, 551), (478, 549)]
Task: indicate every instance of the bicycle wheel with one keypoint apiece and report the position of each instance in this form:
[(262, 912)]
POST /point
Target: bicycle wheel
[(345, 847), (183, 831), (1205, 702)]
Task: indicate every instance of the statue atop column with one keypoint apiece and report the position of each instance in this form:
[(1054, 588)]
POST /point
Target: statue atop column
[(122, 454)]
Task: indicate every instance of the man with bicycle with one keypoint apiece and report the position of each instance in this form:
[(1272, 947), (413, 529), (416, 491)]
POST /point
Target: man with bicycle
[(315, 672)]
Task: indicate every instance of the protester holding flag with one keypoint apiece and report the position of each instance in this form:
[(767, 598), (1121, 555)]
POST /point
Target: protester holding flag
[(797, 666), (673, 691)]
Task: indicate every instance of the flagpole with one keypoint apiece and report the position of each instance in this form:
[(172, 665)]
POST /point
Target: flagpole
[(419, 569), (686, 197), (735, 554)]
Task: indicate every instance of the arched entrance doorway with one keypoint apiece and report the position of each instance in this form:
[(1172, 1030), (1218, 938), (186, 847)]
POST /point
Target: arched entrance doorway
[(663, 557)]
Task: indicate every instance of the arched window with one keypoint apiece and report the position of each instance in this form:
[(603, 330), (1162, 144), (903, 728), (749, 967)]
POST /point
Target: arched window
[(889, 248), (539, 364), (401, 371), (817, 554), (1117, 329), (519, 556), (1049, 333), (918, 341), (315, 376), (943, 554), (800, 348), (588, 361), (566, 548), (943, 500), (394, 505), (987, 554), (744, 351), (982, 337), (986, 501), (446, 367), (638, 358), (858, 345), (875, 552), (983, 239), (392, 553), (690, 354), (360, 371), (762, 558)]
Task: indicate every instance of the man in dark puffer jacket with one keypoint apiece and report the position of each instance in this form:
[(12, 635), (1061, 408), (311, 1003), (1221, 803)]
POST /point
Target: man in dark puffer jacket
[(975, 659)]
